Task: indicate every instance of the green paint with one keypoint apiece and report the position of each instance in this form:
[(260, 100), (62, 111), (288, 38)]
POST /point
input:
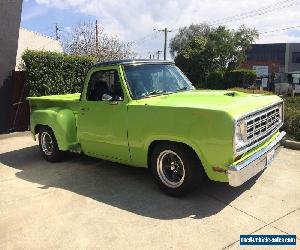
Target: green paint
[(123, 132)]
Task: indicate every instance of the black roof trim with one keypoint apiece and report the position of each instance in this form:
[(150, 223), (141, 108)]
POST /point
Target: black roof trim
[(132, 61)]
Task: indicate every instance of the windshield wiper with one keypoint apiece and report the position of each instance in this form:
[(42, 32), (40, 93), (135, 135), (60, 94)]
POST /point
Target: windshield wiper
[(182, 89)]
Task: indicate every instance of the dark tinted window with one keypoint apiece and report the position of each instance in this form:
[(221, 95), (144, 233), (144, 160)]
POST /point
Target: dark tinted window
[(104, 82), (296, 57), (266, 52)]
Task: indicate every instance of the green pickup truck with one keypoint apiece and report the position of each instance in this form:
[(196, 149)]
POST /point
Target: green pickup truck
[(146, 113)]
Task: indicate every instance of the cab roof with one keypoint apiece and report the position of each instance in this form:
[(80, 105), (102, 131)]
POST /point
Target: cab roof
[(132, 61)]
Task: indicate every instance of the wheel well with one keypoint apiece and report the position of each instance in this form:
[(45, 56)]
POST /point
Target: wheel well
[(38, 127), (154, 143)]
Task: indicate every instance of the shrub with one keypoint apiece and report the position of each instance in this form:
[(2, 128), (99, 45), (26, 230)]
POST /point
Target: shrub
[(215, 80), (292, 117), (50, 73), (230, 79), (239, 78)]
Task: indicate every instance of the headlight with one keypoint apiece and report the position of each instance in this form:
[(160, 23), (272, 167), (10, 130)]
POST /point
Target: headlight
[(240, 136)]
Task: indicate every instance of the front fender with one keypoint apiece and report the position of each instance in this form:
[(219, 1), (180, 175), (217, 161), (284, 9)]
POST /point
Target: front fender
[(63, 123), (208, 132)]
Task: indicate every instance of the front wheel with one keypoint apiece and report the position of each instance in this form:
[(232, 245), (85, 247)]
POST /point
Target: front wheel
[(176, 168), (48, 145)]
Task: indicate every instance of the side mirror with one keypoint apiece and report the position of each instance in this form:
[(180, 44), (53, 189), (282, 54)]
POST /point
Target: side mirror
[(119, 98), (106, 97)]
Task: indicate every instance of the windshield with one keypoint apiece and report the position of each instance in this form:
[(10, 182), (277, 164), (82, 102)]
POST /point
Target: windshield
[(155, 79)]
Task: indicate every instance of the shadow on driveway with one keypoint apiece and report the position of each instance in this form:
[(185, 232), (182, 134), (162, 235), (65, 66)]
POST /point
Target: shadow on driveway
[(124, 187)]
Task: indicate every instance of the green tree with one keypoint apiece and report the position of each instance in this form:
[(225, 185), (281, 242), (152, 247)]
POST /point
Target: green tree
[(200, 50), (186, 34)]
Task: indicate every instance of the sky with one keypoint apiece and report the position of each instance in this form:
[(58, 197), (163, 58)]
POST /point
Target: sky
[(135, 20)]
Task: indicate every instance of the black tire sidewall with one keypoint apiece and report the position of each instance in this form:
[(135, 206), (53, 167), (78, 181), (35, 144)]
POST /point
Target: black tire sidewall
[(56, 154), (192, 167)]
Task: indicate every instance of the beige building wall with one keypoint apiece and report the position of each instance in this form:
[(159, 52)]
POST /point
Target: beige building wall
[(35, 41), (10, 17)]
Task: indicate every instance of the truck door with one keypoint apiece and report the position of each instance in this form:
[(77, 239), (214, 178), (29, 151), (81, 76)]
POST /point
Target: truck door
[(102, 118)]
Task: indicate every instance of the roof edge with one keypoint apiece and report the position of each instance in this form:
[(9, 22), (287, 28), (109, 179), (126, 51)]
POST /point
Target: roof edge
[(132, 61)]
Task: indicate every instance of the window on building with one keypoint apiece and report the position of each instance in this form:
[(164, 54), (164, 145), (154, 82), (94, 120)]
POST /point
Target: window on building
[(296, 57)]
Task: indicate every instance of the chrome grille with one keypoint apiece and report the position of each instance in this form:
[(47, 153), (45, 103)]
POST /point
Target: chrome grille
[(261, 124)]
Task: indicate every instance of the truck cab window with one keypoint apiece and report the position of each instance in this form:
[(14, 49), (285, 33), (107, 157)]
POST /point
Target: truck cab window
[(104, 82)]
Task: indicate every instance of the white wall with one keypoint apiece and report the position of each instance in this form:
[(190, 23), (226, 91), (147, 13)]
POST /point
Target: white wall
[(35, 41)]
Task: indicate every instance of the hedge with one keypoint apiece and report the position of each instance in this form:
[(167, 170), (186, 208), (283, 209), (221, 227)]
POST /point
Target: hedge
[(239, 78), (292, 117), (230, 79), (215, 80), (50, 73)]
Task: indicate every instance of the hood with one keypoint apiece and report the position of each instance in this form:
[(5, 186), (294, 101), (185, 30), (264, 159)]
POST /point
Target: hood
[(232, 102)]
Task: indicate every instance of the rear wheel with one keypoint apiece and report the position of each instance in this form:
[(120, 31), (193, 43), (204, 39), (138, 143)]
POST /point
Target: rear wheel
[(48, 145), (176, 168)]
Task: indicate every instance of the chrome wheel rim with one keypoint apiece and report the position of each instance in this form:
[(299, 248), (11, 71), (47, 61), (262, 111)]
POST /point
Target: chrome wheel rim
[(170, 169), (47, 143)]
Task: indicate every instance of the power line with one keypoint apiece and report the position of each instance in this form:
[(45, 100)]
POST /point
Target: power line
[(270, 8), (257, 12), (144, 39), (280, 5), (277, 30)]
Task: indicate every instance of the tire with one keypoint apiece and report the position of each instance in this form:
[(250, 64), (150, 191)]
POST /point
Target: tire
[(48, 145), (176, 168)]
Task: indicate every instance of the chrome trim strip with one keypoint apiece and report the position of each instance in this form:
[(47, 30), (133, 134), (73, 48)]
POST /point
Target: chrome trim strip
[(242, 172), (257, 126), (258, 154), (258, 110), (247, 148), (237, 120)]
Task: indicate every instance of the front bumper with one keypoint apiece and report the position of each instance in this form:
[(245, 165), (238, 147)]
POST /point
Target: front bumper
[(243, 171)]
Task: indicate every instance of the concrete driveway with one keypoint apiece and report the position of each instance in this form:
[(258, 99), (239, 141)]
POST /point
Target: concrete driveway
[(89, 203)]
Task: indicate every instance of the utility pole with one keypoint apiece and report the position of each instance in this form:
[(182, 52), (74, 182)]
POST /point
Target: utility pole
[(96, 35), (158, 53), (166, 31), (56, 32), (152, 56)]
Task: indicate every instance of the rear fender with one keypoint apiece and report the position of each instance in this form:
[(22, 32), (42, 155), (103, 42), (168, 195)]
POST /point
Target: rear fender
[(61, 121)]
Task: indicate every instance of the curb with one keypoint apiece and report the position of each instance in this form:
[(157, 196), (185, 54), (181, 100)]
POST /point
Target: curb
[(291, 144)]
